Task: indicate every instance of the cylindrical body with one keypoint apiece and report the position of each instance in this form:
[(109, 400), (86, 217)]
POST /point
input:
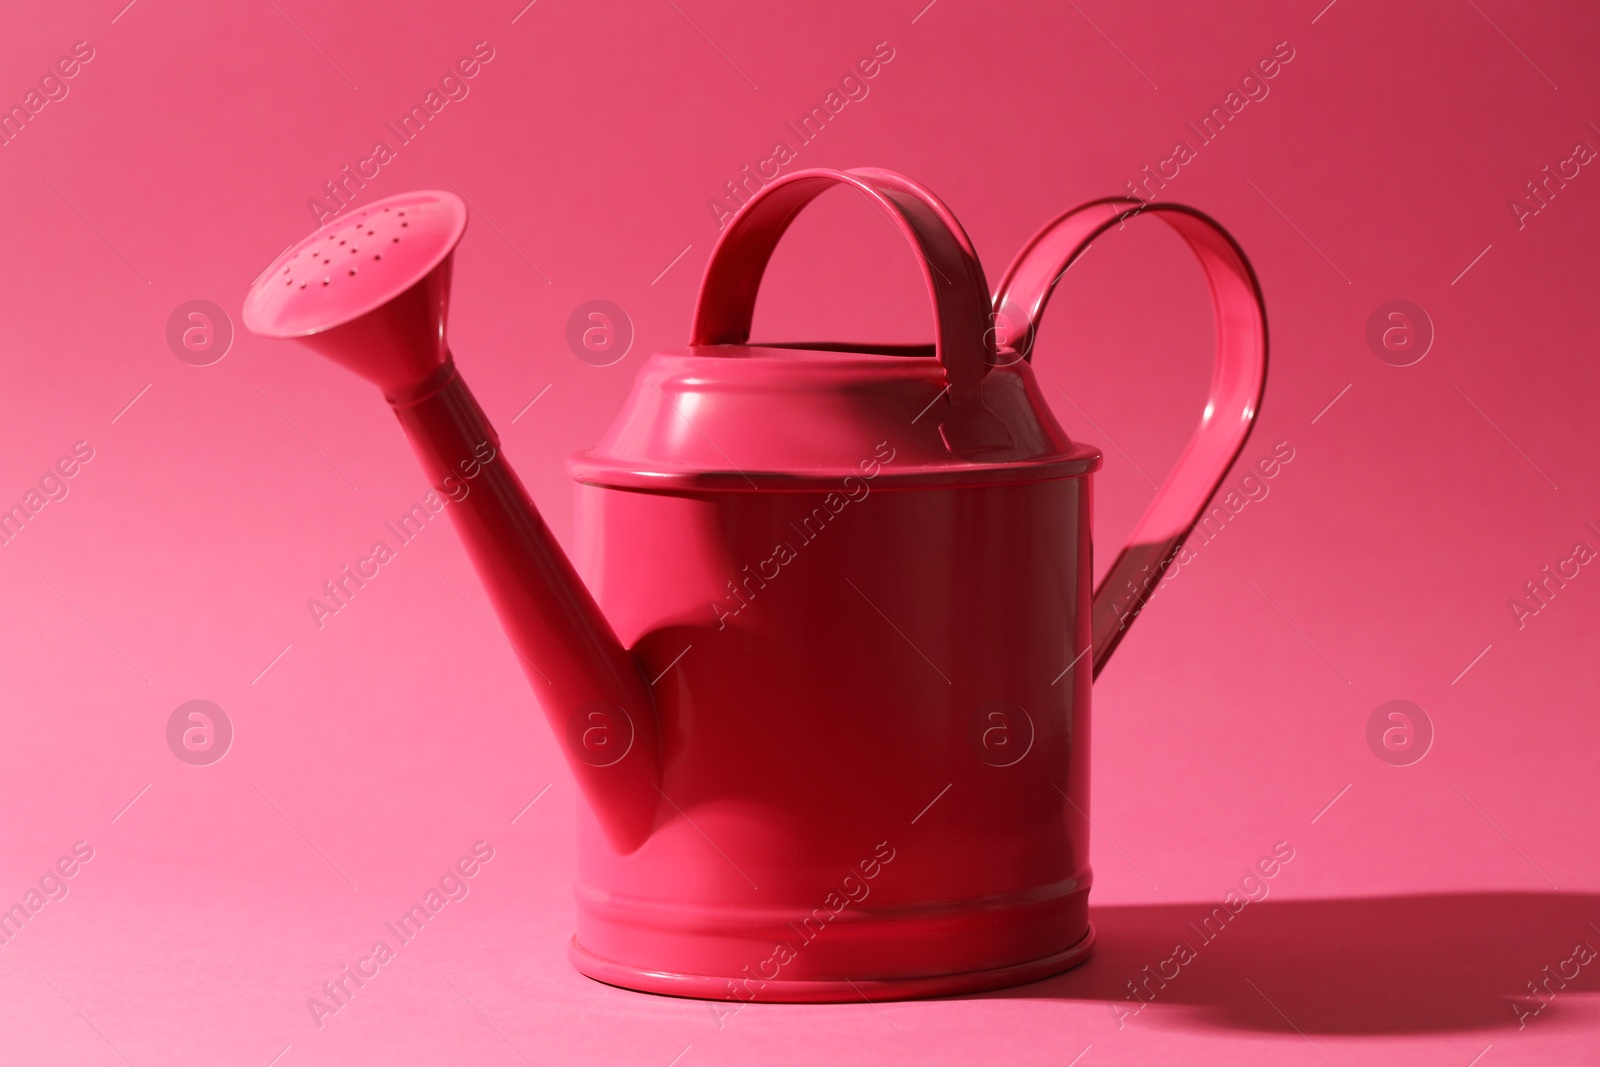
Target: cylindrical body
[(875, 731)]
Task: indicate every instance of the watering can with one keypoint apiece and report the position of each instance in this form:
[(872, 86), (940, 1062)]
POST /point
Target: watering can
[(822, 667)]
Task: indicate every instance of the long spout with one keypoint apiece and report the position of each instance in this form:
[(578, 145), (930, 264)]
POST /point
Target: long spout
[(589, 686), (371, 292)]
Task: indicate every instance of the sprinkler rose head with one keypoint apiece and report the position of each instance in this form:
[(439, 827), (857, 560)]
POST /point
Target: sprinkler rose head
[(370, 290)]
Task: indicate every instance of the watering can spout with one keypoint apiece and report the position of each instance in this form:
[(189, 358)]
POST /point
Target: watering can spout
[(371, 293)]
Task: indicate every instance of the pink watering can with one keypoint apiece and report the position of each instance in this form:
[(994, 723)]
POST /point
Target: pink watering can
[(824, 678)]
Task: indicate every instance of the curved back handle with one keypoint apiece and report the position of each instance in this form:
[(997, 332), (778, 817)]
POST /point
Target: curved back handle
[(963, 341), (1237, 381)]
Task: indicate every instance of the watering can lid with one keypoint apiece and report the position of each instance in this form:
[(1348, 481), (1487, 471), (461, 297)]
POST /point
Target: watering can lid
[(725, 414), (779, 417)]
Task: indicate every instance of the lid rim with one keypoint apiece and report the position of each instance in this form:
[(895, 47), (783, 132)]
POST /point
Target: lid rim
[(587, 469)]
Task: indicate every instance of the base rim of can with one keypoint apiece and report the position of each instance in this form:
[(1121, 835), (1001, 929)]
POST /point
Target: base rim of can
[(830, 991)]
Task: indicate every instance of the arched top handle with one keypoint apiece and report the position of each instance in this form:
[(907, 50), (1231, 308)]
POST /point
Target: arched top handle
[(963, 341)]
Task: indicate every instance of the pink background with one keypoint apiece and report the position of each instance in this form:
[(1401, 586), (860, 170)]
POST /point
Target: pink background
[(1417, 906)]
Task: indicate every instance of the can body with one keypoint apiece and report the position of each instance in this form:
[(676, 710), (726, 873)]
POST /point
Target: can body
[(873, 708)]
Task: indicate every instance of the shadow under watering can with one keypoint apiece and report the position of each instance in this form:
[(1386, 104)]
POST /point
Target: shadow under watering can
[(866, 773)]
